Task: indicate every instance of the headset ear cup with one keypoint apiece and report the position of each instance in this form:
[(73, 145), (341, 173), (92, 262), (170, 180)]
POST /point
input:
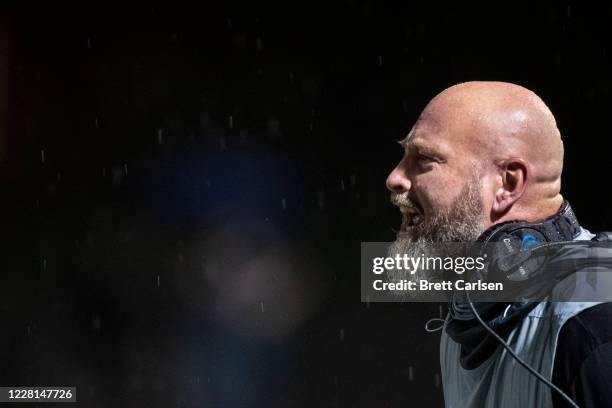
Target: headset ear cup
[(511, 238), (520, 237), (497, 231), (496, 250), (490, 248)]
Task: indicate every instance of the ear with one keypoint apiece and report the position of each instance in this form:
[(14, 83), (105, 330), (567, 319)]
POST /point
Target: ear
[(514, 176)]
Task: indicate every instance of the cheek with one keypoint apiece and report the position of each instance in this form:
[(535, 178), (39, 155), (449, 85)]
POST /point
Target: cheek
[(435, 193), (489, 186)]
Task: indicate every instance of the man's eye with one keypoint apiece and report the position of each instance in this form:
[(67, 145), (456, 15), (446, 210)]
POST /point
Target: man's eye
[(424, 159)]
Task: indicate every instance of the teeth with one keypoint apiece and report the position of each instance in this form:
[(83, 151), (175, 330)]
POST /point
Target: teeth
[(408, 210), (411, 217)]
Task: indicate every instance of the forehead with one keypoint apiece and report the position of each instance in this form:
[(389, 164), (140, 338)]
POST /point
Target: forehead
[(425, 141), (445, 133)]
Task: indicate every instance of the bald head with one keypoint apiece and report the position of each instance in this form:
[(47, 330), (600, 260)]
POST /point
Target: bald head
[(505, 131), (502, 120)]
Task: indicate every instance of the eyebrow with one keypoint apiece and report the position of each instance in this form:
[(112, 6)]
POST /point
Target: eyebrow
[(419, 147)]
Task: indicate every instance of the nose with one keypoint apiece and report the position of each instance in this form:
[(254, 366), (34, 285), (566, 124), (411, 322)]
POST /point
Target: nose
[(397, 181)]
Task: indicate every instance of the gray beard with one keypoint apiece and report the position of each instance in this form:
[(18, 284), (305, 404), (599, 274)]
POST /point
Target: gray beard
[(460, 223)]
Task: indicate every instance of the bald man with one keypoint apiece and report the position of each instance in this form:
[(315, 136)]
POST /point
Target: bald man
[(480, 156)]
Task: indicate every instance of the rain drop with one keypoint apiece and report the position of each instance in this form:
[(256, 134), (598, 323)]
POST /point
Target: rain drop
[(284, 204), (160, 136), (42, 156)]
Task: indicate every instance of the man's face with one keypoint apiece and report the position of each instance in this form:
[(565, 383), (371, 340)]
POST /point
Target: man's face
[(438, 188), (437, 185)]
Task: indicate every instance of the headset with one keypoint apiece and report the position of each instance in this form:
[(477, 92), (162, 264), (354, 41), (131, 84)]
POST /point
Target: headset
[(520, 241)]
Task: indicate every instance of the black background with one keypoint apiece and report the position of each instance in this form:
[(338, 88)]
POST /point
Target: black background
[(132, 135)]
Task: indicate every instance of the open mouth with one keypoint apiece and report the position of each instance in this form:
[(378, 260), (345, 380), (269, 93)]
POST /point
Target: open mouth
[(411, 217)]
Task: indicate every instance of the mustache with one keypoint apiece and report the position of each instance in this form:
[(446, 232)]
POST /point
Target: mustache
[(402, 200)]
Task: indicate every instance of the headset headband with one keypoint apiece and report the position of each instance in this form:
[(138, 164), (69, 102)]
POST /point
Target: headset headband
[(562, 226)]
